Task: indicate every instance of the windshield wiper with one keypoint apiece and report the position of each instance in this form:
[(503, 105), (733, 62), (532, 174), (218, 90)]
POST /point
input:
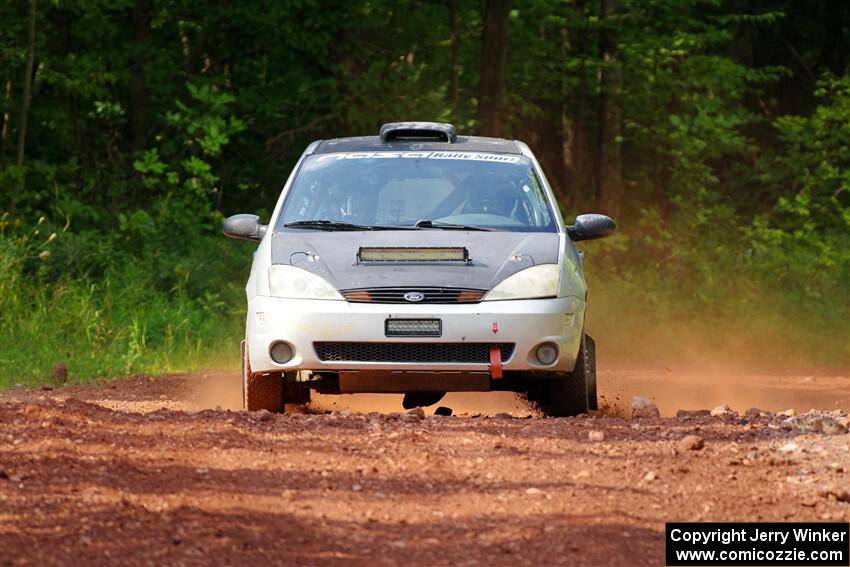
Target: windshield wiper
[(428, 223), (324, 224), (330, 225)]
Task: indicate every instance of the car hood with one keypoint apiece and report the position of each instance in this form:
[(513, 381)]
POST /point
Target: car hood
[(493, 256)]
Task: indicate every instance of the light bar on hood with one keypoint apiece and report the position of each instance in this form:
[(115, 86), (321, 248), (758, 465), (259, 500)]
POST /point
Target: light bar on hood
[(413, 327), (392, 254)]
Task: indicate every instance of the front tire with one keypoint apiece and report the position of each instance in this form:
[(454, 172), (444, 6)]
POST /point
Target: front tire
[(260, 391), (569, 393)]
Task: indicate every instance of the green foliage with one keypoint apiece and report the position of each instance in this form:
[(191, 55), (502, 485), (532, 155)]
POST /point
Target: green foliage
[(777, 284), (198, 133), (803, 242), (104, 312)]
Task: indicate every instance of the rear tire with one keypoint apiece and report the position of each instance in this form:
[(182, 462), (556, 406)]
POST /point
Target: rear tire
[(260, 391), (569, 393)]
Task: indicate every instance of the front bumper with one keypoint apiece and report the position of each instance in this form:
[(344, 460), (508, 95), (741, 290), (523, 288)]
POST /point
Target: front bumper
[(525, 323)]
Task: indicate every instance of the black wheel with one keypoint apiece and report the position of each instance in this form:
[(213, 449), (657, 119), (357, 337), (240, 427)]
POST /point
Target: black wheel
[(590, 349), (569, 393)]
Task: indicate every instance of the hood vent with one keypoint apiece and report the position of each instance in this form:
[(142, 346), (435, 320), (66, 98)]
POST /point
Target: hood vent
[(418, 131)]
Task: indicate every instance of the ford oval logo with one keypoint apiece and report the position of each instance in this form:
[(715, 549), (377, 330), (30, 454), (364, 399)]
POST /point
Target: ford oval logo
[(414, 296)]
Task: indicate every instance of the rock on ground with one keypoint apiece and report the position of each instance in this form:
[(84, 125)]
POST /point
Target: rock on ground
[(682, 413), (691, 443), (723, 411), (644, 408), (417, 413), (596, 436)]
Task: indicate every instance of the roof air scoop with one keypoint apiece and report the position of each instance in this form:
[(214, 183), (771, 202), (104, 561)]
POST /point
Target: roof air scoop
[(418, 131)]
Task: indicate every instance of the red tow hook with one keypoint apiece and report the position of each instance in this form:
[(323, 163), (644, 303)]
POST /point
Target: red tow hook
[(496, 362)]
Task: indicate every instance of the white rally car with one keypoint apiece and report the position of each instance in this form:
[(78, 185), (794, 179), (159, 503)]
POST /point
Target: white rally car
[(417, 262)]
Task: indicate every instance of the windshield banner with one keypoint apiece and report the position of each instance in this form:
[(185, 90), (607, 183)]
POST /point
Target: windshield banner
[(471, 156)]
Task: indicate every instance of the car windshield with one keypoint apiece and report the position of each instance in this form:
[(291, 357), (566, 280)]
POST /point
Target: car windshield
[(395, 189)]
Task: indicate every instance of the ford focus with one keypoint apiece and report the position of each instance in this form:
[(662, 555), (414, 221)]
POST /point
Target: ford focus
[(418, 262)]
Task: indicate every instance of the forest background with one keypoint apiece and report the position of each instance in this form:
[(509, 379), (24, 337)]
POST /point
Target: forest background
[(716, 132)]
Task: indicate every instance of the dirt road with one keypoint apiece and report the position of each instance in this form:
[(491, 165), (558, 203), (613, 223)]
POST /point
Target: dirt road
[(137, 473)]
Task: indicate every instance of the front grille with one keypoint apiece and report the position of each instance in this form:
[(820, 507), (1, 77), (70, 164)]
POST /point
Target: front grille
[(429, 295), (476, 353)]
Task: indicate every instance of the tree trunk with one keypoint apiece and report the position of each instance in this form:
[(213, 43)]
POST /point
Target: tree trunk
[(137, 103), (544, 133), (563, 121), (27, 87), (59, 47), (577, 147), (454, 25), (610, 168), (494, 51), (7, 119)]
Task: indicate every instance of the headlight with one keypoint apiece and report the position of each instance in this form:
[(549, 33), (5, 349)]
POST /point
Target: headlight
[(530, 283), (297, 283)]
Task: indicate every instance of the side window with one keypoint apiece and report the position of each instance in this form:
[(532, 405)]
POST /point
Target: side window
[(534, 202)]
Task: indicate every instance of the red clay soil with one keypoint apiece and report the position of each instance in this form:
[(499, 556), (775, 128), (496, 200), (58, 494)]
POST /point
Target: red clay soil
[(115, 480)]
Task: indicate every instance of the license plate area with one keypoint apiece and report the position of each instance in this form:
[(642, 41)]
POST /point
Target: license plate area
[(413, 327)]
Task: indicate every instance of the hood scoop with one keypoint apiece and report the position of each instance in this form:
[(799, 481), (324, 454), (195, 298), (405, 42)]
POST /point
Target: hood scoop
[(394, 254)]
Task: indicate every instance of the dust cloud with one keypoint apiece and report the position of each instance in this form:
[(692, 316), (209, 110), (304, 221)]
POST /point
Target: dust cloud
[(671, 389), (690, 366), (211, 389)]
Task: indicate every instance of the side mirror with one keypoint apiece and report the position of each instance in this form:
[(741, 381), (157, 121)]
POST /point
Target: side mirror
[(590, 227), (244, 227)]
